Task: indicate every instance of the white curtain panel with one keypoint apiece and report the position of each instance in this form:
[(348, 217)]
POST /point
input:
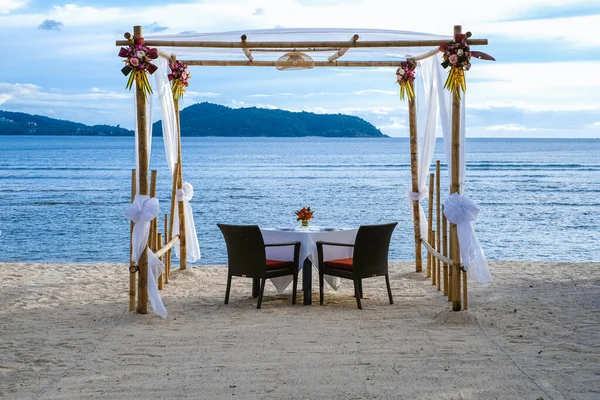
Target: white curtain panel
[(427, 112), (169, 128), (459, 209)]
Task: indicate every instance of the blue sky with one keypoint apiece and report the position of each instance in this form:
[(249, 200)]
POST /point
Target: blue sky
[(60, 60)]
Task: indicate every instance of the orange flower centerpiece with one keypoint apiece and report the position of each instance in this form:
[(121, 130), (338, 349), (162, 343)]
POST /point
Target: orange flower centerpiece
[(304, 214)]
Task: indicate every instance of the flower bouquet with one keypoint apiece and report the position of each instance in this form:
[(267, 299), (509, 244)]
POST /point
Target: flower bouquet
[(180, 74), (457, 55), (138, 62), (304, 214), (405, 76)]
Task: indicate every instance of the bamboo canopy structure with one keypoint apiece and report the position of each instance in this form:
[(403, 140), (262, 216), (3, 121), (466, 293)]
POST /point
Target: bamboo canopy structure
[(319, 48)]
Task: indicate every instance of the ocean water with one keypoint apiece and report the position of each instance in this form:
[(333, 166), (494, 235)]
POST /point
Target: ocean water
[(62, 198)]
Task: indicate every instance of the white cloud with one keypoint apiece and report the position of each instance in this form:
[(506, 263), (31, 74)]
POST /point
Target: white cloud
[(509, 127), (7, 6)]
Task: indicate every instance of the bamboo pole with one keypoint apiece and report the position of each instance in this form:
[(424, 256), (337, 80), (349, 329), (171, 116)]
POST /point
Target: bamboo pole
[(160, 277), (293, 45), (256, 63), (342, 51), (438, 221), (173, 198), (166, 248), (142, 305), (455, 188), (465, 296), (168, 255), (247, 51), (132, 276), (179, 173), (430, 224), (445, 251), (152, 239), (436, 253), (433, 260), (414, 173)]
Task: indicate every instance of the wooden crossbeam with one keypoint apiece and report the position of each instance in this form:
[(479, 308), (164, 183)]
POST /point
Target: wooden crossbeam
[(315, 44), (343, 50)]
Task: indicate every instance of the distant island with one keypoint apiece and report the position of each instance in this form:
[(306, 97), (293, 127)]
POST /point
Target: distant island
[(207, 119)]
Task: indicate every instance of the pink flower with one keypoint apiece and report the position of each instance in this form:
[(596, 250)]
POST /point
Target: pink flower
[(134, 61), (453, 59)]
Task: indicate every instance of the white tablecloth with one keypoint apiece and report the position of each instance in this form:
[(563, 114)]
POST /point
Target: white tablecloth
[(308, 237)]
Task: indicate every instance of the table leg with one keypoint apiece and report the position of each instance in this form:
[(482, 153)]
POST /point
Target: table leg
[(307, 281)]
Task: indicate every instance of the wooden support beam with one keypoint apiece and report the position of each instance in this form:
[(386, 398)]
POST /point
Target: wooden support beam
[(142, 304), (294, 45), (414, 173), (232, 63), (167, 247), (438, 220), (132, 275), (247, 51), (435, 253), (160, 280), (430, 267), (455, 188), (168, 255), (343, 50), (179, 173)]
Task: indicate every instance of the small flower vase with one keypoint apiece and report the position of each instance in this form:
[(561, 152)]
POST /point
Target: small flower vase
[(304, 222)]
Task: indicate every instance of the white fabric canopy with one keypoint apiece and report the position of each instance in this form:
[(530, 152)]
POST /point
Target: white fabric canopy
[(301, 34)]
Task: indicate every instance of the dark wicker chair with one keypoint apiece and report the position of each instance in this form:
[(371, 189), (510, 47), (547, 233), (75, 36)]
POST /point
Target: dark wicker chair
[(370, 259), (247, 258)]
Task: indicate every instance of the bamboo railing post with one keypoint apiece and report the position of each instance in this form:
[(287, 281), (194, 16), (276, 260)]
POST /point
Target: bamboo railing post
[(438, 221), (465, 296), (430, 260), (142, 305), (168, 255), (433, 260), (445, 251), (132, 275), (161, 258), (173, 198), (152, 235), (455, 188), (414, 173), (181, 215)]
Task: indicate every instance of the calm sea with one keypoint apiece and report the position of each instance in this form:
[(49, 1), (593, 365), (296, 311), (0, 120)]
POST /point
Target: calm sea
[(63, 198)]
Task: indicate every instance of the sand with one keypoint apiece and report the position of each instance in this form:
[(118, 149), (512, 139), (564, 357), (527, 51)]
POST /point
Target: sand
[(66, 333)]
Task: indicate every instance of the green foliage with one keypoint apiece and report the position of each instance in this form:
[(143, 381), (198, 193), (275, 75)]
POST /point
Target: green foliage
[(14, 123), (206, 119)]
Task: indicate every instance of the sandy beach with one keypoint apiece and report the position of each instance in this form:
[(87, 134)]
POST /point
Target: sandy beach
[(532, 334)]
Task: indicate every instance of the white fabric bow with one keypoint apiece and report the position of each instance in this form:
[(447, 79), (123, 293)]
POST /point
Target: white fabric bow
[(420, 195), (461, 210), (143, 210), (186, 193)]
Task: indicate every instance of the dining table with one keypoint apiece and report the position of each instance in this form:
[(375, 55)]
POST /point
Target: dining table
[(308, 237)]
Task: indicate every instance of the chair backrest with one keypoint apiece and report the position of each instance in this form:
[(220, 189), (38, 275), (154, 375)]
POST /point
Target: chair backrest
[(371, 249), (245, 249)]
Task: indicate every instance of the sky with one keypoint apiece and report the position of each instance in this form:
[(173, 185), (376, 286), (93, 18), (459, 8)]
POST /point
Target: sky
[(61, 60)]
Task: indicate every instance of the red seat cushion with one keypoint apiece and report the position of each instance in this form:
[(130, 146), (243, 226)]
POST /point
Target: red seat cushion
[(278, 264), (341, 263)]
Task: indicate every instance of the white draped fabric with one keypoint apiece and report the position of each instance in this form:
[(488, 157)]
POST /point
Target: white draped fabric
[(462, 211), (169, 128), (143, 210), (426, 129), (430, 86)]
